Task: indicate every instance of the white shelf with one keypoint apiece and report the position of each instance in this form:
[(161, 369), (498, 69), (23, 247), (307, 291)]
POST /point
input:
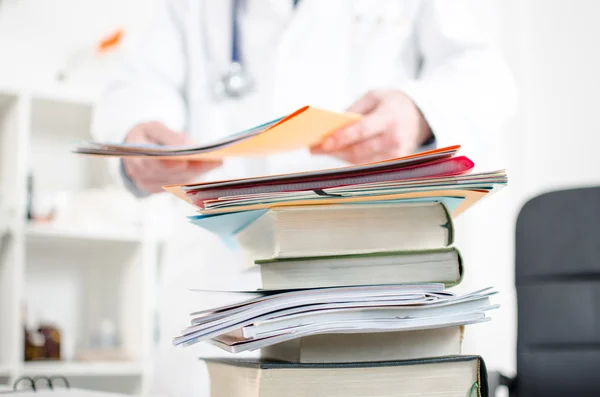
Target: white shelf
[(67, 93), (4, 371), (48, 231), (60, 92), (62, 118), (6, 99), (84, 368), (90, 273)]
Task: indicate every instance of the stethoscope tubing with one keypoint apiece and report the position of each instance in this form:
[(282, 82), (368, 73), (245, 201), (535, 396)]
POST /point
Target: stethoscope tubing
[(235, 33)]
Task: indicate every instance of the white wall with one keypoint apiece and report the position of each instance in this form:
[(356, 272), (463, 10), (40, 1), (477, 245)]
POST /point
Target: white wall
[(559, 64), (551, 46), (484, 233), (37, 36)]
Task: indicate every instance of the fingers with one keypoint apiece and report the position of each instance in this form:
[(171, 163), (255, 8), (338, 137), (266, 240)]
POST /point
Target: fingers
[(136, 135), (366, 104), (203, 166), (156, 170), (151, 174), (376, 122), (380, 147), (141, 168), (173, 165), (158, 133)]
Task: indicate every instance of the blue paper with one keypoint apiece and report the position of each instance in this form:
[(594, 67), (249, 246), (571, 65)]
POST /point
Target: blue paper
[(226, 226)]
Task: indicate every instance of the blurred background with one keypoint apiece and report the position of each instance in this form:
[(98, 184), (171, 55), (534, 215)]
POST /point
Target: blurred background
[(80, 256)]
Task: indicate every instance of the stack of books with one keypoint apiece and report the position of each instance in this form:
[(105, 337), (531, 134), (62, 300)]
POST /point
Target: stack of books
[(355, 265)]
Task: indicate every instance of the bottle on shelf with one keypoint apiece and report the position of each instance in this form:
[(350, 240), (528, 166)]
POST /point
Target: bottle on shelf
[(42, 340)]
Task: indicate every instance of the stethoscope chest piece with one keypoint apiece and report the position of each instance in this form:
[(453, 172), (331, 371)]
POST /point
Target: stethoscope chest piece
[(235, 82)]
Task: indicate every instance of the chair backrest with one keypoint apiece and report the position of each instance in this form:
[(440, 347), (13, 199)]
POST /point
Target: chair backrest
[(557, 274)]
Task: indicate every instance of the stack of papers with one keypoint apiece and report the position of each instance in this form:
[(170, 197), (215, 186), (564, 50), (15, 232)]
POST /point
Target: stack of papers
[(273, 317), (358, 250), (232, 207), (305, 127), (227, 207)]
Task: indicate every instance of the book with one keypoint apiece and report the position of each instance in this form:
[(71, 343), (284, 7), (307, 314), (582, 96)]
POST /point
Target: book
[(264, 318), (300, 129), (373, 268), (304, 231), (452, 376), (383, 346)]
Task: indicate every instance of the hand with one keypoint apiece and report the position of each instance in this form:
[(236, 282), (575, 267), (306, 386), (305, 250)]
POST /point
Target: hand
[(149, 174), (392, 126)]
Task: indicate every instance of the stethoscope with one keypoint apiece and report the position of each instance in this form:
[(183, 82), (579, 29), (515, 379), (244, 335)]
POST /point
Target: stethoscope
[(236, 83)]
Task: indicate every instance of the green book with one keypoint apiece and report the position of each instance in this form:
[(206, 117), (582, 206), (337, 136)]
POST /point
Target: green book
[(398, 267)]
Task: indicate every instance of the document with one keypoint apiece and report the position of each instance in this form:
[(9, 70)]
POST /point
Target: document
[(303, 128), (272, 317), (438, 174)]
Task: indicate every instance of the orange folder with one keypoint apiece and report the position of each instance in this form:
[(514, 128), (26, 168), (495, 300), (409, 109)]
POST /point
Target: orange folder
[(303, 128), (470, 198), (306, 127)]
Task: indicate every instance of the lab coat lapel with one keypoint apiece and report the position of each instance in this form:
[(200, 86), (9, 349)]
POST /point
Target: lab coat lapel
[(323, 80), (216, 18)]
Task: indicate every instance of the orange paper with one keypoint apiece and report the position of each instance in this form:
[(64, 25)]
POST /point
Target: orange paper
[(176, 189), (303, 128), (471, 197)]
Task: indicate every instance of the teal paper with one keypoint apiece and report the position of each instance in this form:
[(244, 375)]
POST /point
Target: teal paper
[(226, 226)]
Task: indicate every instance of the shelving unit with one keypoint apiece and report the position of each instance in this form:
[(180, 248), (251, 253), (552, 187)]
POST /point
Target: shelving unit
[(13, 143), (42, 232), (77, 272), (85, 368)]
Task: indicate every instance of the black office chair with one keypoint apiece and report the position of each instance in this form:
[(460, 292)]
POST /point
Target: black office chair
[(557, 275)]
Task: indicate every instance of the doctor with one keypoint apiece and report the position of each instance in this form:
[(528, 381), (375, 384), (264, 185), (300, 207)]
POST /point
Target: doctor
[(417, 70)]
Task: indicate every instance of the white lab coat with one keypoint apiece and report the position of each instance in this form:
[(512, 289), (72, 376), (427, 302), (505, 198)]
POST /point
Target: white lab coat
[(324, 53)]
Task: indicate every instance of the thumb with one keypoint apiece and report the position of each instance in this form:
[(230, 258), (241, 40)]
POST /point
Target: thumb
[(160, 134), (366, 103)]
